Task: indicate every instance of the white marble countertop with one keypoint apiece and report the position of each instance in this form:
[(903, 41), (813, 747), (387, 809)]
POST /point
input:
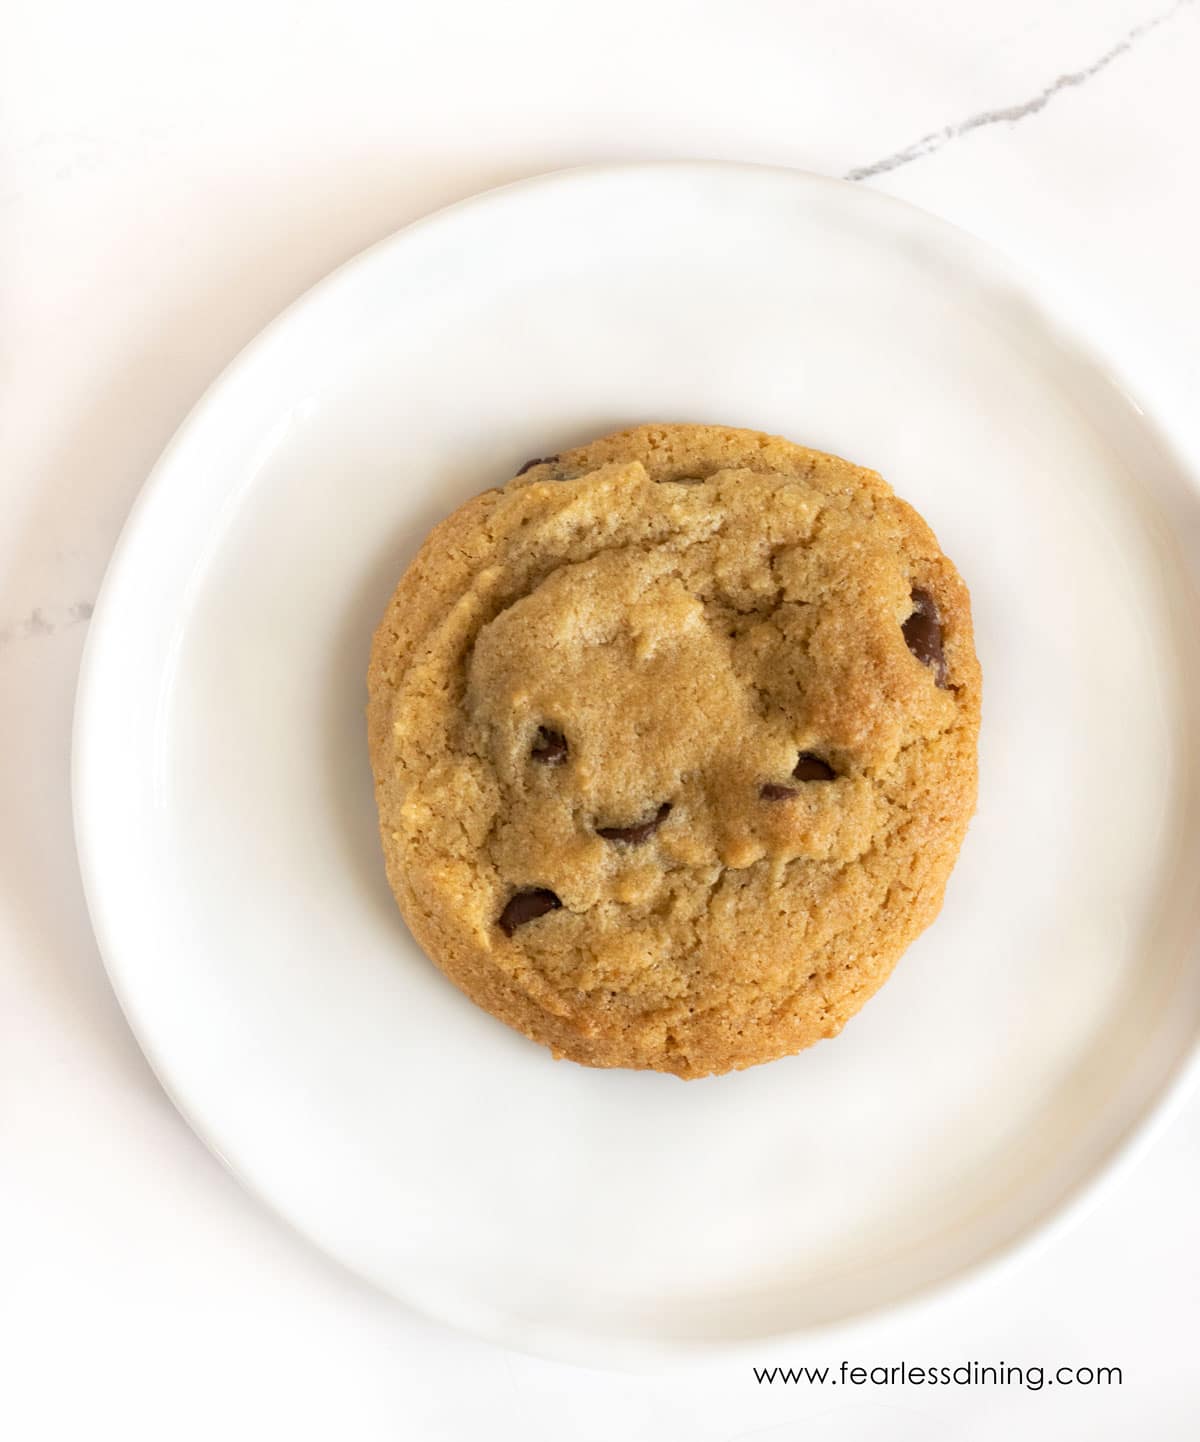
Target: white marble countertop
[(171, 177)]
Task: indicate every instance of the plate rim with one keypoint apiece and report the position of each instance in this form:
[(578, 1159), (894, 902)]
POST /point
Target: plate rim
[(1072, 335)]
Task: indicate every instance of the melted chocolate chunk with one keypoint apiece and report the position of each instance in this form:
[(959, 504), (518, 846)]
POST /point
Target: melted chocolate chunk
[(527, 906), (811, 768), (550, 747), (635, 835), (923, 634), (537, 461)]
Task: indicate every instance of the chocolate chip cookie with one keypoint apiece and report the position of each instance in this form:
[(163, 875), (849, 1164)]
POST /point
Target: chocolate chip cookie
[(674, 742)]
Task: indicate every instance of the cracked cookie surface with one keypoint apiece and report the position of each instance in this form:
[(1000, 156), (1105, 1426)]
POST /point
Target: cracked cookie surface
[(674, 742)]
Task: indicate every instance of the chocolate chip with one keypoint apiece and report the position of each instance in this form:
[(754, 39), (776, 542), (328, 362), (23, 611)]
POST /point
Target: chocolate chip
[(537, 461), (811, 768), (634, 835), (550, 747), (923, 634), (527, 906)]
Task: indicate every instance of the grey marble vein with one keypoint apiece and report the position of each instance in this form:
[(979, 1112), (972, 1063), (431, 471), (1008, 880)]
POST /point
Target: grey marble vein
[(38, 623), (1010, 114)]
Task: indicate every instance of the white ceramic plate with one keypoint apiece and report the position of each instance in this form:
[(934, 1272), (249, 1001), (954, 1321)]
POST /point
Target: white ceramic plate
[(224, 806)]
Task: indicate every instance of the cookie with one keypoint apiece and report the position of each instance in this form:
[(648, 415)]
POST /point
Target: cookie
[(674, 743)]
